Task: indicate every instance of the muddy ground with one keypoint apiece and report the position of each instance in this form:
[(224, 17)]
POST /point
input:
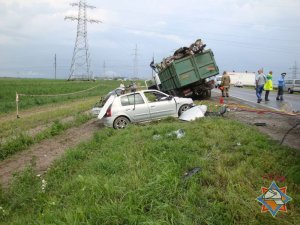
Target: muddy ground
[(45, 152)]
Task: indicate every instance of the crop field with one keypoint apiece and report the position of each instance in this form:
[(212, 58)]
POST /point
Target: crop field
[(11, 86), (44, 113), (143, 174)]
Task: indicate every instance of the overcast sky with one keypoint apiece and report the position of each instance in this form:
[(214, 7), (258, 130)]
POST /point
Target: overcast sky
[(243, 34)]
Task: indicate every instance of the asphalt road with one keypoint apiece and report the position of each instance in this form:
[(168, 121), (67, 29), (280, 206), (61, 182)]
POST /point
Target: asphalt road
[(290, 103)]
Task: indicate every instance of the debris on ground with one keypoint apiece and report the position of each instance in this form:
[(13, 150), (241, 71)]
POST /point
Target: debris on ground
[(260, 124), (177, 133), (221, 112), (190, 173), (194, 113), (156, 137)]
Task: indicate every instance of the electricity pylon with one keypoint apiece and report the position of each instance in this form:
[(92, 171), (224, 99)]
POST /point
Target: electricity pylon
[(135, 62), (80, 66), (294, 71)]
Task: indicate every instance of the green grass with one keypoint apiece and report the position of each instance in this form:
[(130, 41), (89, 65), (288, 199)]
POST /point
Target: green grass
[(126, 177), (43, 111), (9, 87), (22, 140)]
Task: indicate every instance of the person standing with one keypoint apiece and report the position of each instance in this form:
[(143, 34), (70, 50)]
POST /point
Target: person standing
[(281, 84), (122, 86), (225, 83), (133, 87), (260, 82), (268, 85)]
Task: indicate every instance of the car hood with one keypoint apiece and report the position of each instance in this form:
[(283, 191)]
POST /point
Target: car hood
[(183, 100), (194, 113)]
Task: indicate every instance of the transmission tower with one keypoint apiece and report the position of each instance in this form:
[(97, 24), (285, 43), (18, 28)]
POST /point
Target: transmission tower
[(80, 66), (135, 62), (294, 71)]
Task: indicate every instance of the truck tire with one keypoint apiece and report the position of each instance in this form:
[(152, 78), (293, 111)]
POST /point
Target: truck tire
[(121, 122), (208, 93), (183, 108)]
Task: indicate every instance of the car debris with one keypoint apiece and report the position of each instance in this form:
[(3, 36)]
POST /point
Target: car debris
[(177, 133), (156, 137), (194, 113), (260, 124), (190, 173)]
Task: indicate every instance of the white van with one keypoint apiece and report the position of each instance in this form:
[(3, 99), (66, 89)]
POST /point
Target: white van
[(292, 85)]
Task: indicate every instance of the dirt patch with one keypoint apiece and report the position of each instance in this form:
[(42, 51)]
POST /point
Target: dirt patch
[(45, 152)]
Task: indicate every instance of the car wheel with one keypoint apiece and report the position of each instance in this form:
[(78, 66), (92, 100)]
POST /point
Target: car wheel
[(290, 91), (183, 108), (121, 122)]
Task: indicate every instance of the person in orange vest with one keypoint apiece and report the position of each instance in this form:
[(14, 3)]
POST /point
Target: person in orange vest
[(225, 83)]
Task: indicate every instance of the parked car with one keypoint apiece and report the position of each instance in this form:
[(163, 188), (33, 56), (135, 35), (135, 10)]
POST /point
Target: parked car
[(292, 86), (238, 84), (141, 106)]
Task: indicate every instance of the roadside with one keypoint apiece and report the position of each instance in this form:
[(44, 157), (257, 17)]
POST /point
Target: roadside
[(42, 155), (277, 125)]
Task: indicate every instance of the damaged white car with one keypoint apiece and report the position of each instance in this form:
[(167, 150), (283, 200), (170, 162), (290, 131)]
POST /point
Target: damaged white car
[(118, 110)]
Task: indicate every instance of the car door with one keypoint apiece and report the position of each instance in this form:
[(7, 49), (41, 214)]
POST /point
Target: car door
[(160, 104), (134, 106)]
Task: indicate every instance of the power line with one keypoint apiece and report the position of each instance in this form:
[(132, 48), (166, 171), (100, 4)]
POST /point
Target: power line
[(135, 62)]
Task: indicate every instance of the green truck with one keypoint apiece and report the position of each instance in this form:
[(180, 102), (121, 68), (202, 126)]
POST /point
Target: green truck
[(189, 76)]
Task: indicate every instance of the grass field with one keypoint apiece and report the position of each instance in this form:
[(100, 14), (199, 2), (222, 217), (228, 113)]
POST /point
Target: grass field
[(9, 87), (37, 112), (127, 177)]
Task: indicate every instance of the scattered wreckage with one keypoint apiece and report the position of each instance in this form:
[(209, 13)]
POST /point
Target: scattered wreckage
[(187, 73), (118, 110)]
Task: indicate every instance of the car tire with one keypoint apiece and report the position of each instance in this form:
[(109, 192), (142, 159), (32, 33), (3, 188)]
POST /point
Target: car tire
[(183, 108), (121, 122), (290, 91)]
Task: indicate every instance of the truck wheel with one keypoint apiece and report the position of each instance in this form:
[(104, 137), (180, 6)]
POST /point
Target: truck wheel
[(208, 93), (183, 108), (121, 122)]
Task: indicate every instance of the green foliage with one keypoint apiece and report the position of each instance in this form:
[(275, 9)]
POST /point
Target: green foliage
[(18, 143), (23, 141), (127, 177)]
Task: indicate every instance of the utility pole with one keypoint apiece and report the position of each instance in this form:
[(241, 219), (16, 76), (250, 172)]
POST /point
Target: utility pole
[(55, 66), (135, 62), (104, 68), (80, 65), (294, 71)]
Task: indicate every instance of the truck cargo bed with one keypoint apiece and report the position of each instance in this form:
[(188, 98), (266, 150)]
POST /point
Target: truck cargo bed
[(188, 71)]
